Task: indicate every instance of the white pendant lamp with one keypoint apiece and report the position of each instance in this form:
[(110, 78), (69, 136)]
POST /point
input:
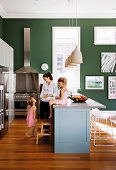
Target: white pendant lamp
[(76, 57), (68, 62)]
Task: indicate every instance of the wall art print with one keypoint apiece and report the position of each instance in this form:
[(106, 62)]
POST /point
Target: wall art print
[(94, 82), (105, 35), (111, 87), (108, 62)]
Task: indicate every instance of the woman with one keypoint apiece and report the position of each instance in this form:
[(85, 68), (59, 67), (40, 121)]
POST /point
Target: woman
[(49, 91)]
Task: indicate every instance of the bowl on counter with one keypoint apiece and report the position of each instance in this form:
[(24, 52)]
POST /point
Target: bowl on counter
[(78, 98)]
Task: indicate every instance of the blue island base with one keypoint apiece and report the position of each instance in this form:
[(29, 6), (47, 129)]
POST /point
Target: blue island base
[(71, 130)]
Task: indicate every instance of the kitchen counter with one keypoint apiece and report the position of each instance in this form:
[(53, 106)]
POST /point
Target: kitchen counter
[(89, 103), (72, 126)]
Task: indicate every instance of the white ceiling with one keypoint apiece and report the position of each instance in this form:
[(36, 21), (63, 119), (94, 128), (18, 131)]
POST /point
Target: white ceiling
[(58, 8)]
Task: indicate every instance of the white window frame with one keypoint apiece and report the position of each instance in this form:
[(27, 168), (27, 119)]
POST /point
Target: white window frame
[(76, 84)]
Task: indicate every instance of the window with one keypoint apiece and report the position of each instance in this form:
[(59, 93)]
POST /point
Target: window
[(65, 39)]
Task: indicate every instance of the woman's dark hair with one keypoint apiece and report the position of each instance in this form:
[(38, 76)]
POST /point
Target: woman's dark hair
[(48, 74)]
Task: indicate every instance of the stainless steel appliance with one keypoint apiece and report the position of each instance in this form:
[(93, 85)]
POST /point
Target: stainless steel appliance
[(20, 103), (27, 80), (1, 97), (6, 100), (5, 115), (27, 66), (4, 111), (27, 83), (1, 109)]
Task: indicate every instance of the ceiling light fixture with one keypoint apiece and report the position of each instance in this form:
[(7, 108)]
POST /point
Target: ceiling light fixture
[(76, 56), (68, 62)]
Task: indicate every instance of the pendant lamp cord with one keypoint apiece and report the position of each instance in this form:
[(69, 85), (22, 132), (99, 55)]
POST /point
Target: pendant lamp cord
[(76, 13)]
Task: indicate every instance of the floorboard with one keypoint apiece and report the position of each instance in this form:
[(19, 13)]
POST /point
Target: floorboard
[(18, 152)]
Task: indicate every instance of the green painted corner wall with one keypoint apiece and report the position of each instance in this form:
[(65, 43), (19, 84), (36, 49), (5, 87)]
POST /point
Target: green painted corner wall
[(41, 38), (41, 48), (0, 27)]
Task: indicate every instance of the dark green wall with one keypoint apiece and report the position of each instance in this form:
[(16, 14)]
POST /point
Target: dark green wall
[(41, 48), (41, 37), (0, 27)]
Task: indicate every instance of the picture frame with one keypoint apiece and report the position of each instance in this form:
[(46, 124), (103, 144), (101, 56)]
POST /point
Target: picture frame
[(111, 87), (105, 35), (108, 62), (94, 82)]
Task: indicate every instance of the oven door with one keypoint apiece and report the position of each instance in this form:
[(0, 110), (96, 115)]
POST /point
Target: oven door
[(20, 107), (1, 98), (1, 120)]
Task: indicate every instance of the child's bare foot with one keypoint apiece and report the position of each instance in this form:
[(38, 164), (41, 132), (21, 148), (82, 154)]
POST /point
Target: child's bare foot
[(27, 135), (50, 117)]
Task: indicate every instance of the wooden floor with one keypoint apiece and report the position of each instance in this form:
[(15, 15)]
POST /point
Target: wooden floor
[(18, 152)]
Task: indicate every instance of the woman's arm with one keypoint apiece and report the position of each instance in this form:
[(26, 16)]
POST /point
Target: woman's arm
[(42, 91), (54, 90)]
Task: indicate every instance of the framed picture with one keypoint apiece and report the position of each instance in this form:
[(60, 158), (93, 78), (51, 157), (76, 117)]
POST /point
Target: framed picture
[(94, 82), (104, 35), (108, 62), (111, 87)]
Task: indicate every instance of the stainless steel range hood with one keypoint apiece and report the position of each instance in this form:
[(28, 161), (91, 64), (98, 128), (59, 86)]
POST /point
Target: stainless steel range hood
[(27, 67)]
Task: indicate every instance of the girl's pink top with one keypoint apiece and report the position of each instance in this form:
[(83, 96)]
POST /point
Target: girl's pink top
[(64, 100), (30, 117)]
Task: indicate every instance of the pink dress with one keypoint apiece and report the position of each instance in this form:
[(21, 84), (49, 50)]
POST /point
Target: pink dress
[(64, 100), (30, 117)]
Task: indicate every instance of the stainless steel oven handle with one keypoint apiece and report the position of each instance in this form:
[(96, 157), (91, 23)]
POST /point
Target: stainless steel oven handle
[(0, 121), (20, 110)]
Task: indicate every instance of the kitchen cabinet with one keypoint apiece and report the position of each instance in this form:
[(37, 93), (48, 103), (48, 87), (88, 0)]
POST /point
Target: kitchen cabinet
[(6, 55), (1, 53), (9, 58), (72, 126)]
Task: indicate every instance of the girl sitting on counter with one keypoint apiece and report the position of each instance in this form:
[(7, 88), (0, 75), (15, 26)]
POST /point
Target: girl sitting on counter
[(62, 99)]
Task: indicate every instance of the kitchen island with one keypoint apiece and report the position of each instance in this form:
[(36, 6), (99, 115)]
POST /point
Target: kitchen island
[(72, 126)]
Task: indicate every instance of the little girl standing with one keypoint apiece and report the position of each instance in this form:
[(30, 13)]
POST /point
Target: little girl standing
[(62, 99), (31, 118)]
